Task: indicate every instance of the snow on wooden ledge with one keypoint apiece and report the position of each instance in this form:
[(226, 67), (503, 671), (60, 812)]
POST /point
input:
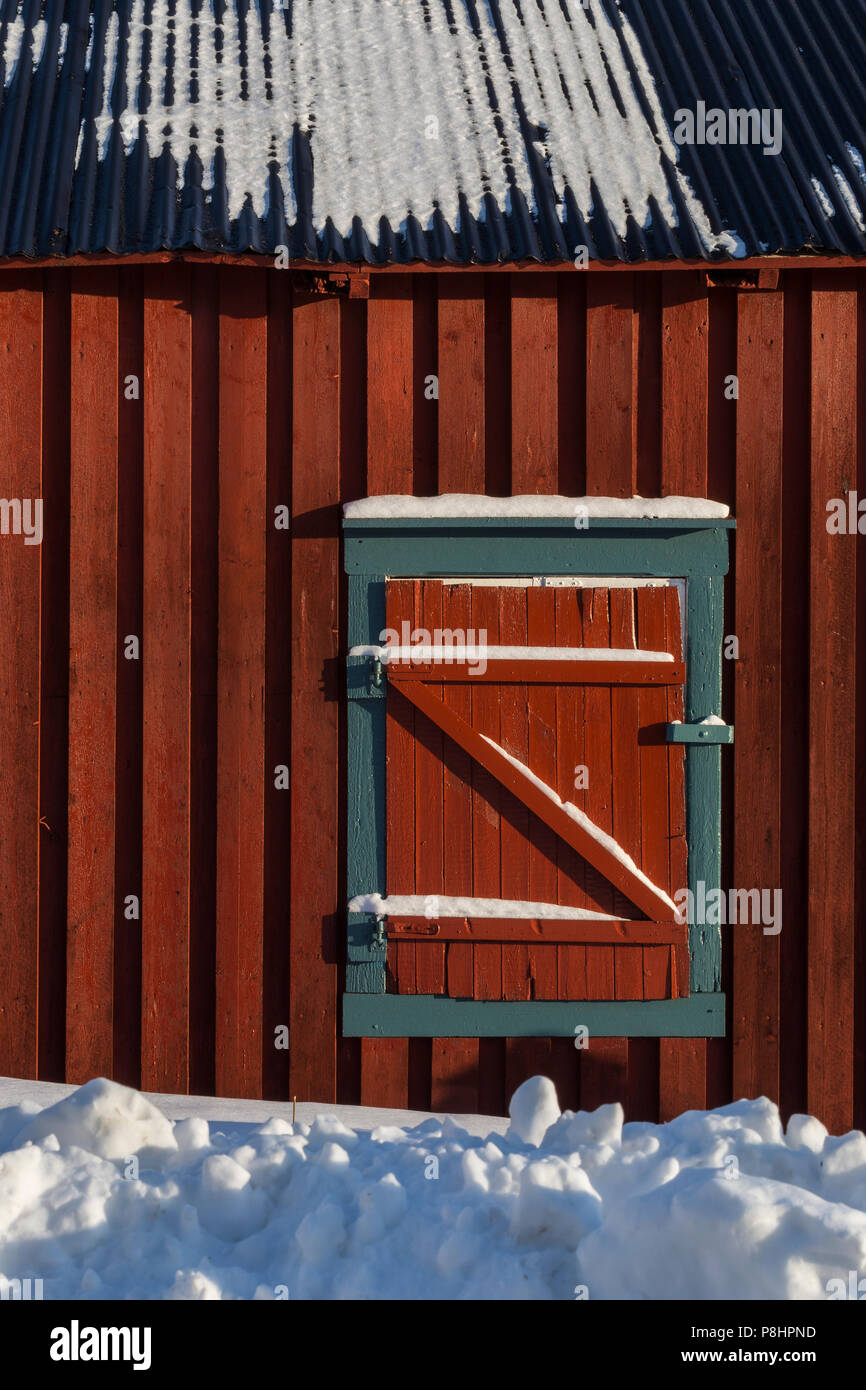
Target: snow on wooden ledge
[(434, 905), (464, 504), (457, 653)]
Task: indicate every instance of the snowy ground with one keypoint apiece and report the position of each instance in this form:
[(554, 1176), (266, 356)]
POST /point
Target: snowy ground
[(105, 1194)]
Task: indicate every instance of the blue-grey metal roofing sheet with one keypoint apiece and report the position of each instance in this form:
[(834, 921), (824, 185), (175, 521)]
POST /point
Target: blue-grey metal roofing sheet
[(468, 131)]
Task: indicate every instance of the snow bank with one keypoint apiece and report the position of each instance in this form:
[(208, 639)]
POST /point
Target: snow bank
[(101, 1196), (469, 504)]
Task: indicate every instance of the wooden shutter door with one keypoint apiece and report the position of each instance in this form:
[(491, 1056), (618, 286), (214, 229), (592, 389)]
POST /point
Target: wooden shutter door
[(465, 822)]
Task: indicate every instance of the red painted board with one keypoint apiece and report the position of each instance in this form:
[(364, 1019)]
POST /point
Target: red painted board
[(832, 708), (20, 480), (92, 908), (758, 689), (316, 888)]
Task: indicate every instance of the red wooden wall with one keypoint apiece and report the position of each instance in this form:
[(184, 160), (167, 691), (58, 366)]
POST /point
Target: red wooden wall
[(155, 777)]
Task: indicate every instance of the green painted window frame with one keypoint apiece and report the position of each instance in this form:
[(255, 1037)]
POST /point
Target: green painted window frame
[(694, 550)]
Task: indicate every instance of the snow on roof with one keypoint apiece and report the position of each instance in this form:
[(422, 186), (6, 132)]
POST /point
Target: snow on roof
[(399, 130), (462, 504)]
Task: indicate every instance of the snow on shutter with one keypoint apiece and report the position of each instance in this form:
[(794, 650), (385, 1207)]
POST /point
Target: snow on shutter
[(539, 783)]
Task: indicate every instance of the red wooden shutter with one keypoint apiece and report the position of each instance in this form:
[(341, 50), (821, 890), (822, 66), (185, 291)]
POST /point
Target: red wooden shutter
[(463, 821)]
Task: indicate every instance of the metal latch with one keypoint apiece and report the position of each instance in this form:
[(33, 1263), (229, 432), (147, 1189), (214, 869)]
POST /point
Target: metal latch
[(699, 733)]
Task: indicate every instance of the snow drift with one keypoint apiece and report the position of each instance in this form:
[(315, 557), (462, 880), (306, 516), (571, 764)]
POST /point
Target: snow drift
[(103, 1197)]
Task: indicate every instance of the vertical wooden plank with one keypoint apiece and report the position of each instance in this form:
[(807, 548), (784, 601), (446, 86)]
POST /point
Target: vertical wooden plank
[(454, 1061), (610, 413), (20, 479), (486, 797), (571, 363), (755, 1039), (54, 678), (860, 748), (461, 383), (278, 683), (204, 646), (570, 755), (384, 1075), (603, 1072), (241, 769), (400, 754), (796, 681), (353, 484), (832, 709), (534, 384), (497, 384), (514, 824), (166, 682), (129, 724), (542, 759), (93, 656), (389, 385), (429, 804), (685, 340), (454, 1075), (625, 777), (721, 404), (425, 407), (682, 1076), (385, 1061), (315, 892), (678, 858), (647, 304), (684, 400), (596, 633)]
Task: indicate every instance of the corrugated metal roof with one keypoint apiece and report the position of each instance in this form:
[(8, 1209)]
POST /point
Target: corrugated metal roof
[(444, 130)]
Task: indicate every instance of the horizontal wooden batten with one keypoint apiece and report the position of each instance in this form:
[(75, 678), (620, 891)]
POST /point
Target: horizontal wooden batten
[(432, 1016), (567, 930), (542, 672)]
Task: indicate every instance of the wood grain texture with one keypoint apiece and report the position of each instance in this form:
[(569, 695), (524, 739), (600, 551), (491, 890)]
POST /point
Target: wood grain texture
[(534, 384), (758, 691), (54, 703), (461, 384), (389, 386), (165, 641), (610, 382), (315, 884), (241, 770), (93, 656), (21, 328), (832, 709), (685, 339)]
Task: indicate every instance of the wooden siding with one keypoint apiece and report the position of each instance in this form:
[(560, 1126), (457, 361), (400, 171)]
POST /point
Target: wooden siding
[(155, 778)]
